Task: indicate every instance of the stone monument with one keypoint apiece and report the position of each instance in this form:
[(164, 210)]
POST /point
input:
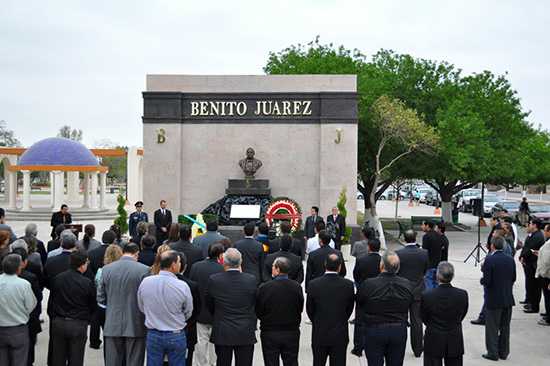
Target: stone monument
[(302, 127)]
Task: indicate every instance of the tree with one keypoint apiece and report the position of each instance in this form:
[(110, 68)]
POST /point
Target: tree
[(7, 137), (483, 135), (68, 133), (122, 219), (395, 122), (117, 164)]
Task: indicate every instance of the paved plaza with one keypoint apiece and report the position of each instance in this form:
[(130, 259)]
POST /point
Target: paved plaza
[(529, 341)]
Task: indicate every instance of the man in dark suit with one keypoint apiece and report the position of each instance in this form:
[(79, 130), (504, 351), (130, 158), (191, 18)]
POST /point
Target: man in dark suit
[(97, 259), (413, 266), (296, 270), (499, 275), (385, 302), (252, 252), (309, 228), (339, 223), (146, 255), (60, 263), (201, 272), (193, 253), (72, 301), (431, 241), (534, 241), (97, 255), (279, 308), (316, 260), (34, 317), (330, 301), (55, 242), (163, 221), (297, 247), (62, 217), (230, 297), (442, 310), (369, 265), (365, 267)]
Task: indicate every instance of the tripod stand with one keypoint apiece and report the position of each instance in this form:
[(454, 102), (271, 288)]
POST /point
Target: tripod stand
[(475, 253)]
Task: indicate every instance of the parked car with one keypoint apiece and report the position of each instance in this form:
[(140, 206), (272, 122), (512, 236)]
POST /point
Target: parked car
[(538, 211), (465, 198), (390, 194), (423, 192), (360, 196), (489, 200), (511, 206)]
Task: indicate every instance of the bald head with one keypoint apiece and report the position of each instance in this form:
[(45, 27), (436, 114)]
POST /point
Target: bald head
[(390, 262)]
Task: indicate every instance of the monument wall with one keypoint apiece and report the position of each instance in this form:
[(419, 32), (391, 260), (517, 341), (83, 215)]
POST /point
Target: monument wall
[(302, 127)]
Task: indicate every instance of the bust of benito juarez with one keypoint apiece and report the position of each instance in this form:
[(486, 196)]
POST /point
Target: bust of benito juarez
[(250, 165)]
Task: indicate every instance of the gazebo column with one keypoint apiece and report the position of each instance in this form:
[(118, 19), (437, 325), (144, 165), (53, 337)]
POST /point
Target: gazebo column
[(102, 190), (93, 193), (52, 189), (86, 189), (58, 189), (72, 187), (26, 190), (12, 176)]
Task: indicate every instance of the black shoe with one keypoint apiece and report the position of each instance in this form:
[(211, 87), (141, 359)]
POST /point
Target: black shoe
[(524, 302), (357, 352), (528, 306), (530, 311), (502, 358), (94, 346), (489, 357), (478, 322), (352, 321), (543, 315)]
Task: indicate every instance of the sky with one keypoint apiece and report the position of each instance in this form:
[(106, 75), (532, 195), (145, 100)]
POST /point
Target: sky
[(84, 63)]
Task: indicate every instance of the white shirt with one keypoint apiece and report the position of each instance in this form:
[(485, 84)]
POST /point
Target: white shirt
[(313, 244), (515, 230)]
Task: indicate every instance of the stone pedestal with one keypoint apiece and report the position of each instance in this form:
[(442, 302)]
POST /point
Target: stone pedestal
[(249, 187)]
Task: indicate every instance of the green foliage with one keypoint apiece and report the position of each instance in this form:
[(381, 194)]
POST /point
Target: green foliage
[(68, 133), (122, 219), (478, 128), (342, 200), (7, 137), (117, 164), (182, 220)]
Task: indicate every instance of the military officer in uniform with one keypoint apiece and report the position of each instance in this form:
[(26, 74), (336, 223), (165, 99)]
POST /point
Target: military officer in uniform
[(136, 218)]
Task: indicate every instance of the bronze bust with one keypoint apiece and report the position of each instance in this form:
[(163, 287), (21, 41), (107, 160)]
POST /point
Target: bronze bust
[(250, 165)]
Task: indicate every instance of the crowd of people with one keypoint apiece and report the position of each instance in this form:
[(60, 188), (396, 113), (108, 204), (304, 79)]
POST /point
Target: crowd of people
[(198, 300)]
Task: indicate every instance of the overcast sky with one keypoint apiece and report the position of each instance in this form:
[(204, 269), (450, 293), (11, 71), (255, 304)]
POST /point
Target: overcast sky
[(84, 63)]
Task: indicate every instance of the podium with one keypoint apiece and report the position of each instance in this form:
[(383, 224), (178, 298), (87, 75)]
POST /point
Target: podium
[(75, 228)]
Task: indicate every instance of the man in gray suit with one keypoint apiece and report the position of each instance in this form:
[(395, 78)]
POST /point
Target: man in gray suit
[(125, 333), (211, 236)]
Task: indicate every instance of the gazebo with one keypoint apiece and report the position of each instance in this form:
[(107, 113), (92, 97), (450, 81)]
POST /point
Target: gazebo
[(58, 155)]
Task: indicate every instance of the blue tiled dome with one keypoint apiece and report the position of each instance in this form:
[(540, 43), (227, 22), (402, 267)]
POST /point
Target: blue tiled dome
[(58, 151)]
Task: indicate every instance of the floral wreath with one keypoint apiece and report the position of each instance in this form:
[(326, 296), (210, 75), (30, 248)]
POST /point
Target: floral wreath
[(284, 206)]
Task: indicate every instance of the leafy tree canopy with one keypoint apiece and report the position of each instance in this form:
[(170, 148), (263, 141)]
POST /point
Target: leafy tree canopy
[(68, 133), (7, 137)]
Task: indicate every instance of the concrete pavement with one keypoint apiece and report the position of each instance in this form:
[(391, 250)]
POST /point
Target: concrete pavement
[(528, 341)]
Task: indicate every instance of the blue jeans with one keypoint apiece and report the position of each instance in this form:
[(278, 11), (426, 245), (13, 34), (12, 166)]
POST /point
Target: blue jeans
[(169, 343), (430, 280), (385, 343)]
